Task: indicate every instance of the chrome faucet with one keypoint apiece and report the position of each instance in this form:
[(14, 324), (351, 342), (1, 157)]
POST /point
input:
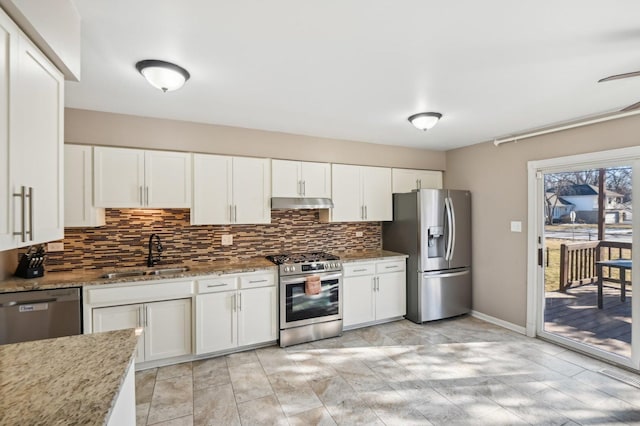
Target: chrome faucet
[(151, 259)]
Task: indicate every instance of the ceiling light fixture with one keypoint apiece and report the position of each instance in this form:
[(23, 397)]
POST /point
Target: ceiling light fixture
[(163, 75), (425, 120)]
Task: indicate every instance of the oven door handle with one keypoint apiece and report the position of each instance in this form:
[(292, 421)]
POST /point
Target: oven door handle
[(300, 280)]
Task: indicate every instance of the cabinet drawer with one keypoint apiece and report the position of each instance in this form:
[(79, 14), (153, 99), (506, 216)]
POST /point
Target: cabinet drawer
[(253, 281), (140, 293), (391, 266), (355, 269), (213, 285)]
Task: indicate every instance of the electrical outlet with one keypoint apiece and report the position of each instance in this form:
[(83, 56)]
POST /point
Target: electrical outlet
[(359, 233), (516, 226), (227, 240), (51, 247)]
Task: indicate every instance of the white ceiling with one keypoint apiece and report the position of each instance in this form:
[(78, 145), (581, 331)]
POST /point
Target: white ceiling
[(356, 69)]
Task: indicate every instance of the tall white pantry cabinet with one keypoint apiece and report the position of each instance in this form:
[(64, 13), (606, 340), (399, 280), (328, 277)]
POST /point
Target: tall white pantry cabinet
[(31, 142)]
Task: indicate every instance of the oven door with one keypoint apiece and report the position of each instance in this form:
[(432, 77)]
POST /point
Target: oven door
[(297, 309)]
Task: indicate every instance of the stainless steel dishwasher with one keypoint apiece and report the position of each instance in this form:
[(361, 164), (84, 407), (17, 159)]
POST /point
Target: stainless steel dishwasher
[(39, 314)]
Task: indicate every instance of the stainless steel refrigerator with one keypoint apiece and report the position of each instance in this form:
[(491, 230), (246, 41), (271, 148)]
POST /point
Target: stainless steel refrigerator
[(433, 226)]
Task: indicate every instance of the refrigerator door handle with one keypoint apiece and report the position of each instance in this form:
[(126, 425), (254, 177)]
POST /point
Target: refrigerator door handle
[(447, 207), (445, 275), (452, 211)]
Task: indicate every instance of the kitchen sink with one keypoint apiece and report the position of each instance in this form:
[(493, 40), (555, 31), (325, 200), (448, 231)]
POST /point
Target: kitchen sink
[(169, 271), (123, 274), (138, 273)]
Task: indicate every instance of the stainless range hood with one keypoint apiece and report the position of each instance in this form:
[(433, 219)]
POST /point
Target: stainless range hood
[(285, 203)]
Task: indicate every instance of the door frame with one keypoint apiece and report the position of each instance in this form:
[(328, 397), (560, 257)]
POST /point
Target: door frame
[(535, 230)]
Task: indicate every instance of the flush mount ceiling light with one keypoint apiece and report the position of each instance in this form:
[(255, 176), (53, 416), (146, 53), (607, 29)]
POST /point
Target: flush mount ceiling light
[(163, 75), (425, 120)]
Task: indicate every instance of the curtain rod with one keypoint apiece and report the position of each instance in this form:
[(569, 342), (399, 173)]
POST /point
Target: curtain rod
[(566, 126)]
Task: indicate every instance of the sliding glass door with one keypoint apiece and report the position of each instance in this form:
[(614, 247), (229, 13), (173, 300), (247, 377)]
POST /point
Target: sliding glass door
[(584, 257)]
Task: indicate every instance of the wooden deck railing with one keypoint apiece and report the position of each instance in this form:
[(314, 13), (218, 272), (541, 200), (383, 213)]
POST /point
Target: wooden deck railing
[(578, 261)]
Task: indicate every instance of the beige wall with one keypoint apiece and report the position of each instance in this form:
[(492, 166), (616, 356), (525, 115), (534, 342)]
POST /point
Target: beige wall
[(100, 128), (497, 178)]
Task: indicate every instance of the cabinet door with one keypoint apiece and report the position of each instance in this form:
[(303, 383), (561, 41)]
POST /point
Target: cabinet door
[(285, 178), (377, 197), (211, 203), (167, 329), (8, 40), (216, 325), (36, 143), (391, 299), (78, 188), (118, 318), (358, 302), (251, 190), (346, 193), (257, 316), (167, 179), (406, 180), (429, 179), (316, 179), (118, 177)]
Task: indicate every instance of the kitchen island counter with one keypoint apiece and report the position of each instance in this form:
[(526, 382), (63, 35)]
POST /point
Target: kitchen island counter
[(52, 280), (68, 380)]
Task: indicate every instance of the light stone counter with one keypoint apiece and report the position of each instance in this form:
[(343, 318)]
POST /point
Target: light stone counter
[(68, 380), (358, 256), (52, 280)]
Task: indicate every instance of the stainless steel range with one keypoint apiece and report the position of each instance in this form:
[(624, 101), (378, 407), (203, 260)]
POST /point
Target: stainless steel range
[(310, 296)]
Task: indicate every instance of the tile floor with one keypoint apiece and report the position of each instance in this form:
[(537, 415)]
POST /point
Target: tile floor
[(459, 371)]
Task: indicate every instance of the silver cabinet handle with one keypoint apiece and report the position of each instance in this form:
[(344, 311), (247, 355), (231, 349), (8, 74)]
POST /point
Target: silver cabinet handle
[(139, 317), (362, 212), (299, 187), (359, 270), (230, 213), (146, 316), (141, 197), (304, 187), (30, 195), (257, 281), (23, 205), (146, 195), (233, 302), (240, 303), (365, 212), (216, 285), (391, 267), (417, 183), (235, 213)]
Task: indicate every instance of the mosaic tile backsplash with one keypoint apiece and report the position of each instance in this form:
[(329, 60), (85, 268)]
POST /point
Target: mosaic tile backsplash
[(123, 241)]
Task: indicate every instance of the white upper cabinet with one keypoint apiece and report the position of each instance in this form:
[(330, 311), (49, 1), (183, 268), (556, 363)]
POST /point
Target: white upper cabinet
[(230, 190), (130, 178), (8, 42), (167, 179), (297, 179), (360, 193), (406, 180), (31, 142), (78, 188)]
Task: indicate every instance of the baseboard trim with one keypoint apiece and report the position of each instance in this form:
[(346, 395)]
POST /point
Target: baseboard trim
[(497, 321)]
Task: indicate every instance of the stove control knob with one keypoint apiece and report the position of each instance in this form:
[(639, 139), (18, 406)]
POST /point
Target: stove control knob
[(286, 269), (293, 268)]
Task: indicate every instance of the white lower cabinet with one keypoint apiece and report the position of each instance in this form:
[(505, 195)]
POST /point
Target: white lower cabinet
[(167, 326), (234, 311), (374, 291)]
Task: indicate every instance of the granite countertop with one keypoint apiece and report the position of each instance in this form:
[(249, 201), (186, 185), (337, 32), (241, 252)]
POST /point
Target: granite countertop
[(68, 380), (355, 256), (52, 280)]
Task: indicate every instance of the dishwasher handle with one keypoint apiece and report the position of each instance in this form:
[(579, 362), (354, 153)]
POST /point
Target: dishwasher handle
[(26, 302)]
